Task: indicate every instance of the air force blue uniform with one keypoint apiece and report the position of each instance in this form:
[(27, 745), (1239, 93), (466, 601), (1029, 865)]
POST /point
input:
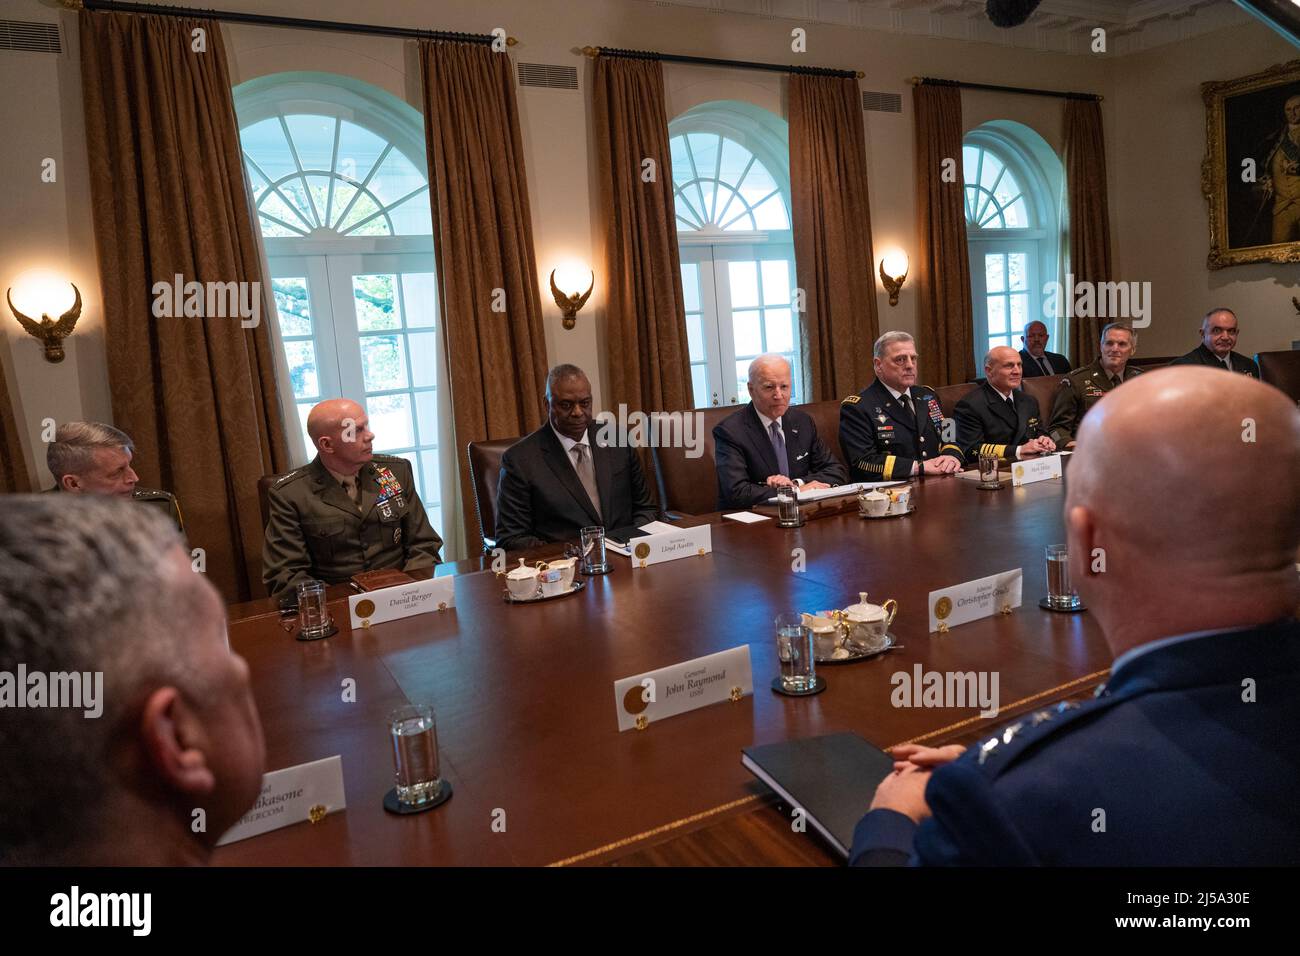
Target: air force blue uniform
[(1189, 757)]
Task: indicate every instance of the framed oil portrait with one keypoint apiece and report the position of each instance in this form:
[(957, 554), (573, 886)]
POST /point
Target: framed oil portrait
[(1251, 171)]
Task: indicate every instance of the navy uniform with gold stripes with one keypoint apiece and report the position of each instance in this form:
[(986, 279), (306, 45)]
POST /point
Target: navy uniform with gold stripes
[(881, 441), (988, 425)]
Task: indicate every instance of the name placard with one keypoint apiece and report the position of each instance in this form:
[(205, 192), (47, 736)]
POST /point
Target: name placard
[(674, 690), (996, 594), (670, 545), (1035, 469), (308, 791), (402, 600)]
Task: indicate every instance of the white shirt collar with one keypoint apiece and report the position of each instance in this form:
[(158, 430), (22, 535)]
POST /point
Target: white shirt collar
[(1002, 395), (568, 442), (895, 392), (767, 422)]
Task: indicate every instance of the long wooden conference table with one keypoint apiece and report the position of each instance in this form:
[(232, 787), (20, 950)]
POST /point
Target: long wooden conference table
[(524, 698)]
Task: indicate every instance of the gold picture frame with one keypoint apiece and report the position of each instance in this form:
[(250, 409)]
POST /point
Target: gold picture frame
[(1245, 120)]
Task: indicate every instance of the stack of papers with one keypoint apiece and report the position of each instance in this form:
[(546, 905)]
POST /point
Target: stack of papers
[(819, 493), (747, 517)]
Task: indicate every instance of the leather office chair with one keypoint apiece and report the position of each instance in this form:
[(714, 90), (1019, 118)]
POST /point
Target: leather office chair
[(484, 473), (950, 395), (1044, 389), (264, 495), (1281, 370), (1153, 362)]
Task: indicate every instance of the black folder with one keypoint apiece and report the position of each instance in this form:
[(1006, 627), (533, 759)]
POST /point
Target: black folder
[(832, 778)]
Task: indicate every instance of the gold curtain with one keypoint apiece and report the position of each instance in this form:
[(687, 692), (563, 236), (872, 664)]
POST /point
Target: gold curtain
[(941, 265), (197, 394), (649, 360), (13, 466), (483, 239), (1089, 222), (831, 218)]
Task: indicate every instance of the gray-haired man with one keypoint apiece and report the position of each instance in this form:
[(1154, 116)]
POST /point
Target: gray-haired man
[(893, 428), (1084, 387), (94, 458), (147, 724)]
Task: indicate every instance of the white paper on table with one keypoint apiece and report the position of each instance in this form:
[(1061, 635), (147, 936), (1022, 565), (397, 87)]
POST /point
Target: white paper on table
[(656, 527), (747, 517), (817, 494)]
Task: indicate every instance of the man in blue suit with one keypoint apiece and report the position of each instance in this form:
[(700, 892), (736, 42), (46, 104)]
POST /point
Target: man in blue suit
[(1189, 755), (767, 445)]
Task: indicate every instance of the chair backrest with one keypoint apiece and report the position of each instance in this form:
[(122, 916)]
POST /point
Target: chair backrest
[(264, 494), (950, 395), (1149, 362), (484, 472), (690, 485), (1282, 370), (1044, 389)]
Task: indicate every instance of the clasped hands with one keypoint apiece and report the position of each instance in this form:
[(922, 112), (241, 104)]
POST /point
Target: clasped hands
[(784, 481), (904, 790), (1036, 446)]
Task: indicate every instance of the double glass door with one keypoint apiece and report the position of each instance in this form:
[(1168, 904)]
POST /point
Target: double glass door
[(364, 326)]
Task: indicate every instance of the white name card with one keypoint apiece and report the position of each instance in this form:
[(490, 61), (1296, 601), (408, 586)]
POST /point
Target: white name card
[(1035, 469), (670, 545), (975, 599), (674, 690), (308, 791), (402, 600)]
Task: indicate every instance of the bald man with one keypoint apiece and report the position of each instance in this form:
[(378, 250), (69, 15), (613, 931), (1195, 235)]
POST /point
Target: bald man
[(348, 511), (997, 418), (1219, 331), (767, 445), (1189, 754)]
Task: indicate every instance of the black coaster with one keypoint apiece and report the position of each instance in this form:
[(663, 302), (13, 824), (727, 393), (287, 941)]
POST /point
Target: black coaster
[(334, 629), (1078, 606), (983, 487), (819, 685), (392, 806), (595, 571)]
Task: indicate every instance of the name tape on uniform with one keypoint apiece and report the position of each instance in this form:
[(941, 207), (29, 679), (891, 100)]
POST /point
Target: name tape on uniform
[(1035, 469), (309, 791), (975, 599), (402, 600), (669, 691)]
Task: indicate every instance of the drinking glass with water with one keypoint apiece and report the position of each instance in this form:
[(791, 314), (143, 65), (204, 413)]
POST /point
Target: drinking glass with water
[(415, 754), (794, 649)]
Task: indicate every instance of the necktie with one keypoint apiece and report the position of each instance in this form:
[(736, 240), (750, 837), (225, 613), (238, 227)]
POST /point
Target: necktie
[(352, 490), (1227, 362), (778, 446), (1042, 363), (906, 401), (586, 474)]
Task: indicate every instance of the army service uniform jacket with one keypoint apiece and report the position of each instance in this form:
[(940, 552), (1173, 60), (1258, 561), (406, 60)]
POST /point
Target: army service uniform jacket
[(881, 441), (316, 531), (163, 502), (1080, 390), (1166, 766), (986, 424)]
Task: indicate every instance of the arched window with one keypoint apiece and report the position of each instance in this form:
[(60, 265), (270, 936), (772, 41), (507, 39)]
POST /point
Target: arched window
[(337, 171), (1012, 192), (731, 181)]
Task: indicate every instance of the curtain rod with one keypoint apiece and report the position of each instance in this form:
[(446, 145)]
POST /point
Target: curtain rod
[(1065, 95), (595, 51), (270, 21)]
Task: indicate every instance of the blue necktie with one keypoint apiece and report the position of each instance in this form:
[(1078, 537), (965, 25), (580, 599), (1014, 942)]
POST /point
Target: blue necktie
[(778, 446)]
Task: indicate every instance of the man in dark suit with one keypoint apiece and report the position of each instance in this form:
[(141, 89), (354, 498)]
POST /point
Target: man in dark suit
[(1219, 332), (1177, 762), (893, 428), (1035, 360), (768, 445), (997, 418), (560, 479)]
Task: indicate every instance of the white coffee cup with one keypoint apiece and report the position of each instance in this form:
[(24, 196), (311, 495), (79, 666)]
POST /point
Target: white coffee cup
[(553, 583), (569, 566), (875, 504), (899, 499)]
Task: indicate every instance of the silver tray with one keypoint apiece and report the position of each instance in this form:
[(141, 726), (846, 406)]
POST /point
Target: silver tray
[(910, 508), (511, 599), (890, 641)]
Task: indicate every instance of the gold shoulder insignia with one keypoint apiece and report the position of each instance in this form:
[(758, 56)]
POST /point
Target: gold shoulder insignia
[(851, 400)]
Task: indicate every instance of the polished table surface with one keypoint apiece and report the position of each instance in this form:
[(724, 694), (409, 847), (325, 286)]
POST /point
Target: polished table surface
[(525, 705)]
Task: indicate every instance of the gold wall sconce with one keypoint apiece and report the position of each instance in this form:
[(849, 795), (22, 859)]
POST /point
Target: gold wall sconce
[(571, 302), (42, 294), (893, 272)]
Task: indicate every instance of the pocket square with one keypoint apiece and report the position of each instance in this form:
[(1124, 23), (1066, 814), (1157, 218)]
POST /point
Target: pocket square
[(803, 456)]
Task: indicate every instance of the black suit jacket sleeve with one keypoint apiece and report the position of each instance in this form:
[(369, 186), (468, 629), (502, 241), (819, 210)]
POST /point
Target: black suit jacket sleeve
[(823, 466), (644, 509), (735, 488), (514, 507)]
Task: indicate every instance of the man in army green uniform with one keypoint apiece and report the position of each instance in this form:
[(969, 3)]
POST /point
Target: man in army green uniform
[(347, 511), (1085, 386), (94, 458), (893, 428)]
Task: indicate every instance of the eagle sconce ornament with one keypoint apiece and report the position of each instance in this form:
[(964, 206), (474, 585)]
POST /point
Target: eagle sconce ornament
[(50, 332), (570, 304)]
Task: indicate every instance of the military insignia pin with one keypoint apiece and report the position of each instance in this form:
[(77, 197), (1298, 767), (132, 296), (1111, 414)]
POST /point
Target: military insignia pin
[(397, 535)]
